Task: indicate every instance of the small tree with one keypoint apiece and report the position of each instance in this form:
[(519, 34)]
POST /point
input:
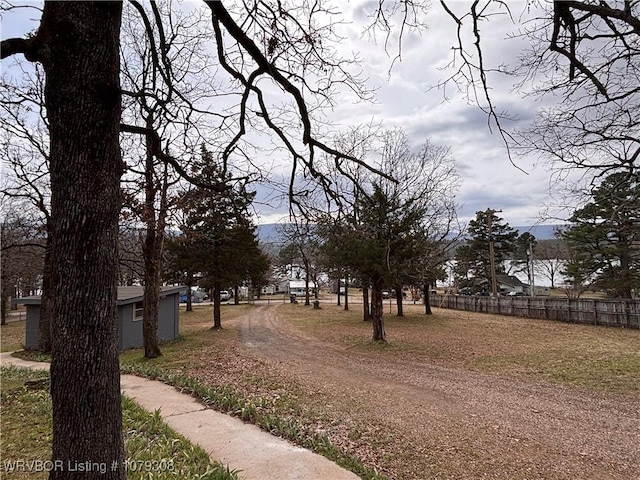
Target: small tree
[(550, 256), (218, 227)]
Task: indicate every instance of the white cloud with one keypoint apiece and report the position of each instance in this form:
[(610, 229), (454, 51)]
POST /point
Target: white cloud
[(405, 100)]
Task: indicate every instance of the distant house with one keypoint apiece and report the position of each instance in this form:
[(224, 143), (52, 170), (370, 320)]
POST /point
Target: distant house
[(511, 283), (296, 287), (129, 314)]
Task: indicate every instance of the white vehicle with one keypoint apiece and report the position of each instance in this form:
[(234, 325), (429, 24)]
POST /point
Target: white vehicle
[(225, 296)]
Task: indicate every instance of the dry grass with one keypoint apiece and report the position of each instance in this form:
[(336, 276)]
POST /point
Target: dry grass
[(12, 336), (599, 358), (480, 396), (320, 368)]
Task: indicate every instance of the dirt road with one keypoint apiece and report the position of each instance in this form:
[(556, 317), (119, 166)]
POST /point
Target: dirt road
[(415, 420)]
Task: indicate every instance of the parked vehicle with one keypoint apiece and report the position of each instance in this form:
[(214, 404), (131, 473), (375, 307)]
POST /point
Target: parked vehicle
[(225, 296), (516, 294)]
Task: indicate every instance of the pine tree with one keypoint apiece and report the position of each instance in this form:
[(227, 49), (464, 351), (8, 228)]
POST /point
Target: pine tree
[(219, 229), (473, 268), (604, 238)]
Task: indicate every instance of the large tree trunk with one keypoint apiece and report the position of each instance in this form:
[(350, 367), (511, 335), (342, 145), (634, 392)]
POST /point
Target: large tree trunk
[(44, 323), (152, 253), (399, 299), (189, 284), (427, 301), (217, 319), (3, 305), (236, 295), (82, 92), (366, 310), (379, 334), (346, 293)]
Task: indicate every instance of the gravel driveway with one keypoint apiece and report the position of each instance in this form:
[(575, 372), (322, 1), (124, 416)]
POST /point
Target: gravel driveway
[(413, 420)]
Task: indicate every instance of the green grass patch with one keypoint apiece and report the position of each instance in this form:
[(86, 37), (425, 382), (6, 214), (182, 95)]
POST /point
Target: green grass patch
[(153, 450)]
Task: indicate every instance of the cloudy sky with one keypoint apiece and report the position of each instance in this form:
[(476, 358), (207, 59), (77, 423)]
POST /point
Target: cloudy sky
[(489, 180), (404, 99)]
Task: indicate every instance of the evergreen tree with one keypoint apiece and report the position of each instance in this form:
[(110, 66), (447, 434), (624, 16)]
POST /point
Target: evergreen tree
[(473, 260), (604, 238), (523, 250), (219, 229)]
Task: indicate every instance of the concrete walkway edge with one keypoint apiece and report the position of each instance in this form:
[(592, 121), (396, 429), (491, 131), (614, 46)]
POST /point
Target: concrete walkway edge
[(228, 440)]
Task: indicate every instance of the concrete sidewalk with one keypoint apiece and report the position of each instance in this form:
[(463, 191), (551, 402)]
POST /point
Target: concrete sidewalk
[(228, 440)]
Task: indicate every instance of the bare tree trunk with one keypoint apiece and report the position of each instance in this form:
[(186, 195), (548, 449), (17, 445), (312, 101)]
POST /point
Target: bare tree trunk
[(152, 252), (3, 305), (399, 299), (366, 310), (236, 293), (306, 286), (217, 319), (427, 301), (82, 93), (44, 323), (346, 292), (379, 334)]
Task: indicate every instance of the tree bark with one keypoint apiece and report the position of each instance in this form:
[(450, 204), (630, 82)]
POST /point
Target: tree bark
[(217, 319), (366, 310), (399, 299), (44, 323), (379, 334), (236, 295), (189, 284), (3, 305), (82, 96), (152, 253), (427, 301), (306, 287), (346, 293)]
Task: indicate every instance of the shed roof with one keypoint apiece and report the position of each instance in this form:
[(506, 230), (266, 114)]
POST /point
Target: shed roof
[(126, 295), (510, 280)]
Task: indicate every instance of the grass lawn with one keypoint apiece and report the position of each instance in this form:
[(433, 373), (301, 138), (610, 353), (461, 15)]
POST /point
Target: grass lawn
[(220, 368), (153, 450), (599, 358), (12, 336)]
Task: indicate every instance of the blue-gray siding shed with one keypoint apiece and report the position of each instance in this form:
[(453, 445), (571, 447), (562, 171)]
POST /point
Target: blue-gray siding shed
[(130, 328)]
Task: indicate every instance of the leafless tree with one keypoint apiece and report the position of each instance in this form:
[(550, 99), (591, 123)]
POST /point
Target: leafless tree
[(24, 145), (550, 257), (22, 246), (262, 46), (583, 62)]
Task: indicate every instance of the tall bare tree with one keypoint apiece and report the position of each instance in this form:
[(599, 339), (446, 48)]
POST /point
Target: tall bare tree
[(25, 151), (288, 46)]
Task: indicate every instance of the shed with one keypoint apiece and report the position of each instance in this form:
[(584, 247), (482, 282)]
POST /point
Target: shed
[(129, 315)]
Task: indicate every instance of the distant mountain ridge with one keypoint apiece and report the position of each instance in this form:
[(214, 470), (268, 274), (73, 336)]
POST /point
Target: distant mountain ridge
[(268, 233), (541, 232)]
